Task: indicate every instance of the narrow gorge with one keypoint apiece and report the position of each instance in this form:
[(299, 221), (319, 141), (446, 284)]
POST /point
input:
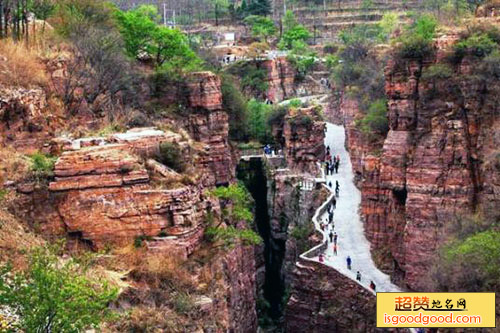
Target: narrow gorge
[(262, 166)]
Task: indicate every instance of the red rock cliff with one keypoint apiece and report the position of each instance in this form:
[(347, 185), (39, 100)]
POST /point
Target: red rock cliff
[(436, 161)]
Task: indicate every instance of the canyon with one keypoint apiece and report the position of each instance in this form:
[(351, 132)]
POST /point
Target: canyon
[(204, 232)]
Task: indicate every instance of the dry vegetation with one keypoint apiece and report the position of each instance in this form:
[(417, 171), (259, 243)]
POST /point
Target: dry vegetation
[(15, 240), (20, 66)]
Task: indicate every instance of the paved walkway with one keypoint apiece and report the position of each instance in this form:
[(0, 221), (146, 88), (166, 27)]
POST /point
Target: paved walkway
[(347, 223)]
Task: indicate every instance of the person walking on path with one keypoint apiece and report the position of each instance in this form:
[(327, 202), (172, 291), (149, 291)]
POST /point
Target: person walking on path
[(336, 166), (334, 203), (332, 168), (334, 160), (335, 249), (330, 184), (327, 168), (328, 150), (335, 236), (372, 285), (358, 276), (331, 237), (349, 262), (337, 188)]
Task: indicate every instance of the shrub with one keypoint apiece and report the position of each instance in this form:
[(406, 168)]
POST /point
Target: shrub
[(170, 154), (235, 104), (54, 295), (258, 115), (183, 303), (330, 48), (479, 45), (253, 78), (437, 72), (42, 165), (416, 42), (375, 121), (415, 47), (298, 33), (490, 67)]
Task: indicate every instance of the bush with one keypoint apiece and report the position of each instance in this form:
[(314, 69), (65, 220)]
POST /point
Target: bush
[(490, 67), (54, 295), (479, 45), (253, 78), (375, 121), (437, 72), (183, 303), (235, 104), (416, 42), (415, 47), (42, 165), (258, 115), (170, 154)]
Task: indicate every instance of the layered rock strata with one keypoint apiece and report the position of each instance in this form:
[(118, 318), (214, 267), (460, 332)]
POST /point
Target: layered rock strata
[(436, 162)]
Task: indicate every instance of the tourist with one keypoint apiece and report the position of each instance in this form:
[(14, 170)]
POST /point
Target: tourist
[(327, 167), (328, 150), (330, 184), (372, 285), (332, 167), (358, 276), (338, 159), (335, 249), (335, 236), (331, 237), (336, 167), (334, 160), (321, 257), (349, 262), (334, 203)]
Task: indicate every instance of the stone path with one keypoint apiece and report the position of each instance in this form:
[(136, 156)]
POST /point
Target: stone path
[(347, 223)]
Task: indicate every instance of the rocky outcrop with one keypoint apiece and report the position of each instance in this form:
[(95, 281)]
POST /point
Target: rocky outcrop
[(209, 125), (280, 79), (323, 300), (435, 163), (24, 123), (107, 194), (303, 137)]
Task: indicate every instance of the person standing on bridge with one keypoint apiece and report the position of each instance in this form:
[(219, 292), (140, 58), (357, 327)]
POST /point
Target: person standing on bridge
[(358, 276), (349, 262)]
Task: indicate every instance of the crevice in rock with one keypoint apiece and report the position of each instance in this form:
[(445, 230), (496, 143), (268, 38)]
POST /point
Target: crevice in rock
[(252, 173)]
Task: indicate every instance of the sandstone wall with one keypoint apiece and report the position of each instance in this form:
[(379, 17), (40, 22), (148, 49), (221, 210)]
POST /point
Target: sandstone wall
[(435, 163), (303, 136), (323, 300)]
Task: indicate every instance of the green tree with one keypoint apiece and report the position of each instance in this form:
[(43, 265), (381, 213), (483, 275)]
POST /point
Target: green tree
[(220, 8), (53, 295), (258, 114), (388, 24), (262, 27), (144, 37), (259, 7)]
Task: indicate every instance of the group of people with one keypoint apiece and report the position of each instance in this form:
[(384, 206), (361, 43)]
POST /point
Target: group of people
[(328, 226), (332, 163)]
